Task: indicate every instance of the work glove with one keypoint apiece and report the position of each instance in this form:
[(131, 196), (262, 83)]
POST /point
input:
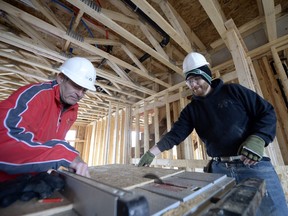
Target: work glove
[(252, 148), (146, 159)]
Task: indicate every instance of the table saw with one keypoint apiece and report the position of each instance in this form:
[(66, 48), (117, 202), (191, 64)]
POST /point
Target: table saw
[(128, 190)]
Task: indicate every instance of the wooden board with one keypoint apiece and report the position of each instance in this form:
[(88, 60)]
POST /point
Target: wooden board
[(127, 176)]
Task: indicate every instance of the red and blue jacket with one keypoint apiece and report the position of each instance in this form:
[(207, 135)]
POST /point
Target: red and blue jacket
[(32, 131)]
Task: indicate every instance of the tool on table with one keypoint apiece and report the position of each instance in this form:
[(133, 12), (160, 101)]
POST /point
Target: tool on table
[(158, 180)]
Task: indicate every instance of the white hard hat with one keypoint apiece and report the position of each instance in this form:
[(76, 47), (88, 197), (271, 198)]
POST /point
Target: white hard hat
[(81, 71), (192, 61)]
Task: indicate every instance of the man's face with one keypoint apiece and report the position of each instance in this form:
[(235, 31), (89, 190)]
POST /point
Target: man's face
[(70, 92), (198, 86)]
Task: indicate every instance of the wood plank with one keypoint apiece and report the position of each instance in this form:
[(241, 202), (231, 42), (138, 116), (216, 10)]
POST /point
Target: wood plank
[(270, 19), (115, 135), (239, 57), (173, 19), (124, 33), (127, 135), (159, 20), (127, 176), (169, 153), (146, 129), (153, 41), (137, 131), (92, 49), (216, 15)]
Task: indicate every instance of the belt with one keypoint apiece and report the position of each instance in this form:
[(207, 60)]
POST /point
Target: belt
[(227, 159)]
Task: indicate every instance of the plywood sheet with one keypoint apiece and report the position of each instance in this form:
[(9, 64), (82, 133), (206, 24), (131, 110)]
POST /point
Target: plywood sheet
[(127, 176)]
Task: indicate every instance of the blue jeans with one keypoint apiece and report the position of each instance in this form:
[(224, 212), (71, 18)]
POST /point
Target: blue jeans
[(273, 203)]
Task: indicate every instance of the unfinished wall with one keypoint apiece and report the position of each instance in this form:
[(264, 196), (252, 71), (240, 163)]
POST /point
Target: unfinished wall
[(107, 140)]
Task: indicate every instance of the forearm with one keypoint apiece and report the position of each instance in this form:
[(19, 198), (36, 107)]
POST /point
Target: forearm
[(180, 131), (169, 141)]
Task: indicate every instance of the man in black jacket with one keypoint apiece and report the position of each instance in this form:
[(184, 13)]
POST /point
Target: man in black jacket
[(235, 123)]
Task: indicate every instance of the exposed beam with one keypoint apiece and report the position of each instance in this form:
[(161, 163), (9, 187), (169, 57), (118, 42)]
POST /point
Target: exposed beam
[(100, 17), (270, 19), (160, 21)]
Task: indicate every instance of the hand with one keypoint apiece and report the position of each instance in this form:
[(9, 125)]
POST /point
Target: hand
[(146, 159), (80, 166), (252, 150), (247, 161)]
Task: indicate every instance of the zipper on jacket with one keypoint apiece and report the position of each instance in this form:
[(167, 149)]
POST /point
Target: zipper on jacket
[(59, 121)]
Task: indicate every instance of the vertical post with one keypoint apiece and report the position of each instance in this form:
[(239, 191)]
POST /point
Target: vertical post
[(240, 61), (137, 131), (168, 118), (92, 145), (120, 154), (107, 138), (156, 125), (115, 136), (146, 128), (127, 137), (98, 142), (280, 70)]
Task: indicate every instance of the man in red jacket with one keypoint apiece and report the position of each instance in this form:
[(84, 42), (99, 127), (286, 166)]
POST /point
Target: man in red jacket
[(35, 119)]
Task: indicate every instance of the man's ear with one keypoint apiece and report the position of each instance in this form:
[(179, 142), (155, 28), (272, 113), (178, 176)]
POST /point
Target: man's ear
[(60, 78)]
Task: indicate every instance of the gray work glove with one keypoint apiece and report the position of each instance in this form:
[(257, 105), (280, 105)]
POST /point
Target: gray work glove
[(146, 159), (252, 148)]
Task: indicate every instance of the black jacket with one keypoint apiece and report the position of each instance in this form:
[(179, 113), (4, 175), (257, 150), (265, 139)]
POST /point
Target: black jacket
[(223, 120)]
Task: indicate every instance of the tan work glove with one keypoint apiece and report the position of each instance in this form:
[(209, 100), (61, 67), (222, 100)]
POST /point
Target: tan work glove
[(146, 159), (252, 148)]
